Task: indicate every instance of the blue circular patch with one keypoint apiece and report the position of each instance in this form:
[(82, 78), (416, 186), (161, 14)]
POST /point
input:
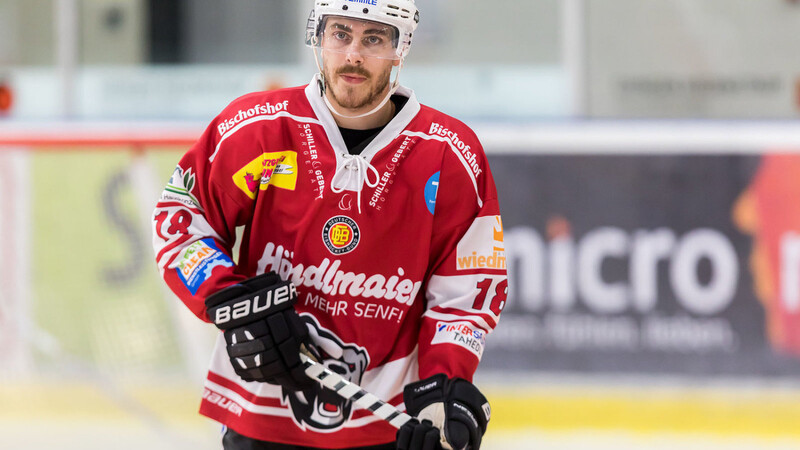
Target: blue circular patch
[(431, 188)]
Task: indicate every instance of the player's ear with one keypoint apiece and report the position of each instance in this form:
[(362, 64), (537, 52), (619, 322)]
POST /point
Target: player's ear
[(395, 62)]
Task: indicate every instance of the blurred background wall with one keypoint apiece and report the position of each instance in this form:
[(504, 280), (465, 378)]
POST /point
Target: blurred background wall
[(647, 158)]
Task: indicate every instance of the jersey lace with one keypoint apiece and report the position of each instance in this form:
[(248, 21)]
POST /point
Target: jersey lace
[(354, 171)]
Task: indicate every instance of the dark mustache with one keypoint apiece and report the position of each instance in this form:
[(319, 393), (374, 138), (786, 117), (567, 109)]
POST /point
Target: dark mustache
[(354, 70)]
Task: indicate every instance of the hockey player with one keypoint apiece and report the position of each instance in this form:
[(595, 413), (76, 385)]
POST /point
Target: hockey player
[(370, 239)]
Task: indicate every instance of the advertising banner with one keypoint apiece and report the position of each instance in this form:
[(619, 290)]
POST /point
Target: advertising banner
[(96, 302), (672, 263)]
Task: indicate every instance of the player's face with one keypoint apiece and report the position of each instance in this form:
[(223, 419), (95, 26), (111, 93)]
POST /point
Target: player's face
[(358, 57)]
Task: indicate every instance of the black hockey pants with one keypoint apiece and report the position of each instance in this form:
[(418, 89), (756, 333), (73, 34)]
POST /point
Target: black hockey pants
[(235, 441)]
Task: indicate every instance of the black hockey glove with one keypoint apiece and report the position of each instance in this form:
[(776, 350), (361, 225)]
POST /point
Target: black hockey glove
[(416, 435), (453, 405), (263, 331)]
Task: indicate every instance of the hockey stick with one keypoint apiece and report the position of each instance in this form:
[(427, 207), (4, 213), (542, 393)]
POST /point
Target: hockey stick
[(352, 391)]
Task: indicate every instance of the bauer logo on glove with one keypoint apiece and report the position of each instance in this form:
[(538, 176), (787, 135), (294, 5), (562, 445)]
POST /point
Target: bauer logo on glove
[(255, 305), (263, 333)]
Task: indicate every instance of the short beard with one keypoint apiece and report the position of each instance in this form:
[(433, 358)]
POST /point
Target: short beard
[(349, 98)]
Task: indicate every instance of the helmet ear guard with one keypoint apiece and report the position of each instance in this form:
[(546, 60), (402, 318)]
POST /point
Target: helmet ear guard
[(312, 36)]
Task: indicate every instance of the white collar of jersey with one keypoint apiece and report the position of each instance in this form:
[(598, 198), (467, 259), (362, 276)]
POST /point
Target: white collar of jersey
[(354, 172), (386, 136), (346, 164)]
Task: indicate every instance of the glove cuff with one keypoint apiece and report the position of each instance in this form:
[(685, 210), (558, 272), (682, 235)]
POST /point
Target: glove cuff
[(420, 394), (463, 394)]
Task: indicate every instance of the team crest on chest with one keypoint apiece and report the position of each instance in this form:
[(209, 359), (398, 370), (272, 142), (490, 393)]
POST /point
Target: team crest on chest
[(340, 234)]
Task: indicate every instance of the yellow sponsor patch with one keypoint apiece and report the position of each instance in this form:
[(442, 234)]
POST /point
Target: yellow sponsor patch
[(278, 169)]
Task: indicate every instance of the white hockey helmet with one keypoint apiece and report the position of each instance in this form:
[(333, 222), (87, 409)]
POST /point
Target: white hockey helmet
[(402, 15)]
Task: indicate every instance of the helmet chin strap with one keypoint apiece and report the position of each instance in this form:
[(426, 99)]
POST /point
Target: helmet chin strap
[(395, 84)]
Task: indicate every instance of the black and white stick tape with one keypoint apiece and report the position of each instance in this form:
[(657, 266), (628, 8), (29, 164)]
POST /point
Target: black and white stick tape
[(351, 391)]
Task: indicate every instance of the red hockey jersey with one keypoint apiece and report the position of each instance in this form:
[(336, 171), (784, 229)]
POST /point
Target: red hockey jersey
[(397, 253)]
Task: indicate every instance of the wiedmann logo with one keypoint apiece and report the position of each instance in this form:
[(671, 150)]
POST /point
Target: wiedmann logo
[(482, 247)]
